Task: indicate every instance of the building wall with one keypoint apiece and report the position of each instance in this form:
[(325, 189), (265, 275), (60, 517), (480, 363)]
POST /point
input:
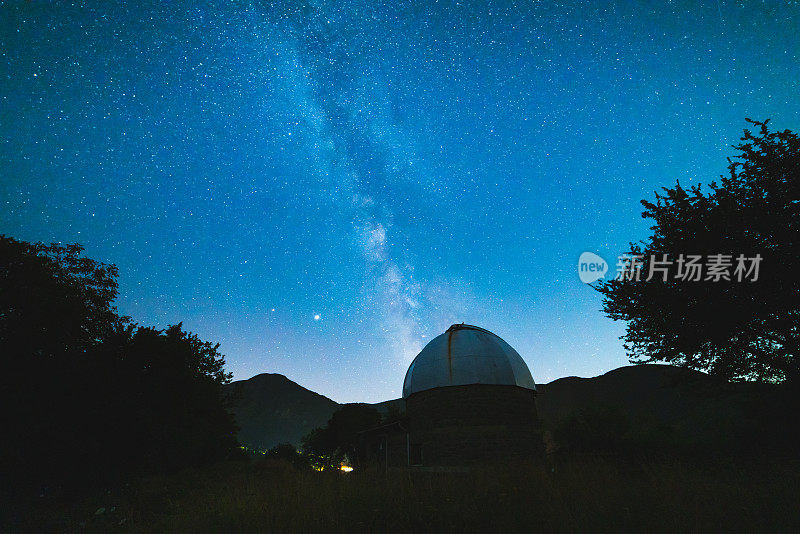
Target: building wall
[(466, 425)]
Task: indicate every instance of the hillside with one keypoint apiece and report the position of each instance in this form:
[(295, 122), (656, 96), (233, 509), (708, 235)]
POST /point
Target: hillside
[(666, 403), (671, 407), (663, 391), (271, 409)]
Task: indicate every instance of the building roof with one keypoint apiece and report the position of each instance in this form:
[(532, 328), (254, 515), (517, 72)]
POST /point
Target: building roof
[(464, 355)]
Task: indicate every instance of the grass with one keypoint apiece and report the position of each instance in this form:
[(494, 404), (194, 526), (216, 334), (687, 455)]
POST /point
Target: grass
[(579, 495)]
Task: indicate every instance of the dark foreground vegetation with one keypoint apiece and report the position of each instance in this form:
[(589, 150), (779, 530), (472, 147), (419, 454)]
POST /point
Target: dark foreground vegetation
[(577, 495), (91, 399)]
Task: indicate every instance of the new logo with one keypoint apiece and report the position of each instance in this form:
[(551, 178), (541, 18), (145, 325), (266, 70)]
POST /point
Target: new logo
[(591, 267)]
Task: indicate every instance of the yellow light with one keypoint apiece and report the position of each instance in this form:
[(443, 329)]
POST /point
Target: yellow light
[(346, 468)]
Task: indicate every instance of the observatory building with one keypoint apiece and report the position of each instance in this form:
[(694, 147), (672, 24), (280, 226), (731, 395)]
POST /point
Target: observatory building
[(469, 399)]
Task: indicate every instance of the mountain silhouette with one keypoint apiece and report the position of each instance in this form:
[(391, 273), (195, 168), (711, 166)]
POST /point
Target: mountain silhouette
[(690, 407), (271, 409)]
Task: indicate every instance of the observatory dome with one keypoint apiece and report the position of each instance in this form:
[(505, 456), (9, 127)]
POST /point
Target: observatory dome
[(466, 355)]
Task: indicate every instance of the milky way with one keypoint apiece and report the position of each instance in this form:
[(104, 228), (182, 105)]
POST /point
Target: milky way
[(322, 187)]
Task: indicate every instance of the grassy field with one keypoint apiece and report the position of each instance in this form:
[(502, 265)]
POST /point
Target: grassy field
[(586, 495)]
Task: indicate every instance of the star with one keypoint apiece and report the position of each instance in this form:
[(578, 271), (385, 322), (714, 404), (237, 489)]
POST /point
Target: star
[(390, 172)]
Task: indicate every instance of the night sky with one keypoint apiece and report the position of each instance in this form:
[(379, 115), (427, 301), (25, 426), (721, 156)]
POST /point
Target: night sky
[(323, 187)]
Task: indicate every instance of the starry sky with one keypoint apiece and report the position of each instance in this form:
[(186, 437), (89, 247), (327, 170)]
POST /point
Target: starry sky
[(322, 187)]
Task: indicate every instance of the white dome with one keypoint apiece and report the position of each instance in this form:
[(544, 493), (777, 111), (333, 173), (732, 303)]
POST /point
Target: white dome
[(466, 355)]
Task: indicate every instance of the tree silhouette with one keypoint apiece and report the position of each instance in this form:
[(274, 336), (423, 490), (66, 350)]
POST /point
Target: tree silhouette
[(89, 396), (732, 328), (329, 445)]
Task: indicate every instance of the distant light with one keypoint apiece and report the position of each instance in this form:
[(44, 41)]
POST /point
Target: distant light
[(346, 468), (317, 317)]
